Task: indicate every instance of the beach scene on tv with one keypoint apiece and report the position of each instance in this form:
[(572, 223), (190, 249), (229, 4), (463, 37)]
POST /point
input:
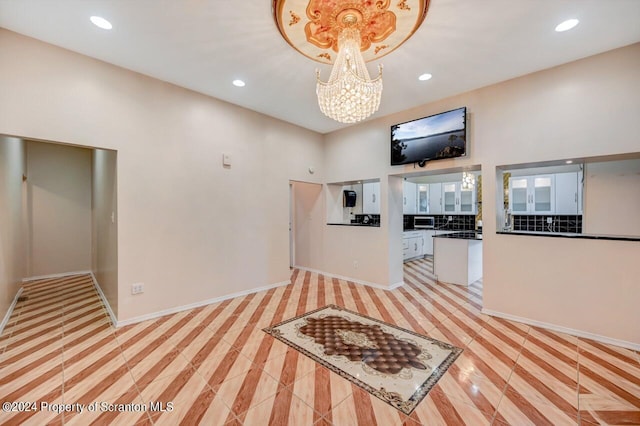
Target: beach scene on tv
[(430, 138)]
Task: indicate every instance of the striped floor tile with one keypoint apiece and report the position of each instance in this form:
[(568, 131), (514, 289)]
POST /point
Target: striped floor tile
[(214, 365)]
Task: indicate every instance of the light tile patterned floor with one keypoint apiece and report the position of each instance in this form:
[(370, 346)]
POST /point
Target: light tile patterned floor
[(216, 366)]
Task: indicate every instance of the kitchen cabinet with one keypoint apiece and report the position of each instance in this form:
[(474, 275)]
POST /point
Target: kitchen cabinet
[(567, 189), (456, 199), (409, 194), (371, 198), (435, 198), (457, 260), (412, 244), (428, 242), (422, 202), (532, 194)]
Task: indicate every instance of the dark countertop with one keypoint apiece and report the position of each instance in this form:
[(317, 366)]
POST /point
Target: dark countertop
[(361, 225), (570, 235), (464, 235)]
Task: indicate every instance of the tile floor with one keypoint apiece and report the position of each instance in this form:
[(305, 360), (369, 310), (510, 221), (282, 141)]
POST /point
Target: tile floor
[(214, 365)]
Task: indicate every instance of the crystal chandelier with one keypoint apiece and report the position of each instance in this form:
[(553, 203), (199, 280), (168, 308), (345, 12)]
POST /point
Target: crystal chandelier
[(468, 181), (348, 34), (350, 95)]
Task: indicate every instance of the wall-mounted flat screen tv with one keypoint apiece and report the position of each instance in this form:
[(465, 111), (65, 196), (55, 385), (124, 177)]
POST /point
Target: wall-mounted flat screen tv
[(430, 138)]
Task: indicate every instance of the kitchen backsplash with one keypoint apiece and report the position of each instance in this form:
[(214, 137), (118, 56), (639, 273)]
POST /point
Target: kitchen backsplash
[(374, 219), (560, 223), (460, 222)]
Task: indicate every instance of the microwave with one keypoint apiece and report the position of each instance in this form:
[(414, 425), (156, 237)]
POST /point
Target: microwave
[(424, 222)]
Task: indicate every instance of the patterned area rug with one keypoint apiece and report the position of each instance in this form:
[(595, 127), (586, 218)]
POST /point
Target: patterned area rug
[(396, 365)]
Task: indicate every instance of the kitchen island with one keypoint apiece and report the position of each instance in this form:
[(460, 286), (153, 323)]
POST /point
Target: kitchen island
[(457, 257)]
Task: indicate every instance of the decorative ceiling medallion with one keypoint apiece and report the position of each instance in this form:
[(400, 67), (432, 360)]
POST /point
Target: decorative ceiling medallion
[(319, 22)]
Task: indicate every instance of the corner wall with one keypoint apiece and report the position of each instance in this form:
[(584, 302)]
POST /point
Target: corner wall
[(12, 237), (59, 209), (104, 209)]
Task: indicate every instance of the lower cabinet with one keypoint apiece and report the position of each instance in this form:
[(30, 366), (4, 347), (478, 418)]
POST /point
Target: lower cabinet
[(417, 244), (413, 243), (428, 242)]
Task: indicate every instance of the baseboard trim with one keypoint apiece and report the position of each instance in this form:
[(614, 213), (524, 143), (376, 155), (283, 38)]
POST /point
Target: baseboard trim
[(60, 275), (566, 330), (4, 322), (353, 280), (114, 320), (177, 309), (396, 285)]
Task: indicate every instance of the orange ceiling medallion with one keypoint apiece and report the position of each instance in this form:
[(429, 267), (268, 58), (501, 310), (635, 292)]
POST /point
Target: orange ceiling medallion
[(383, 24)]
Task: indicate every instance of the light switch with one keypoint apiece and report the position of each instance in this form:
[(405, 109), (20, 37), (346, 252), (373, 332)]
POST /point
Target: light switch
[(226, 159)]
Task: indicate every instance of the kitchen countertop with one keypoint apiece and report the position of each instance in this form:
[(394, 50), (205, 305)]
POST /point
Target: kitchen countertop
[(571, 235), (461, 235), (365, 225)]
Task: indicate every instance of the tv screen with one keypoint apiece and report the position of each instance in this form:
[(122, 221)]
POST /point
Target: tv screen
[(430, 138)]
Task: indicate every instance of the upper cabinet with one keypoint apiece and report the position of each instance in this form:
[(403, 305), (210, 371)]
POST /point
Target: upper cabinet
[(371, 198), (532, 194), (559, 193), (435, 198), (568, 199), (409, 195), (457, 200), (422, 202), (445, 196)]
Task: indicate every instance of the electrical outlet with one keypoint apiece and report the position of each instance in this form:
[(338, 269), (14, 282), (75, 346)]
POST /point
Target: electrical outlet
[(355, 264), (137, 288), (450, 218), (549, 220)]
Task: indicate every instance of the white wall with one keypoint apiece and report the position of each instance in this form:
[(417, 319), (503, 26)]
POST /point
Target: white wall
[(59, 209), (105, 224), (581, 109), (188, 228), (612, 198), (12, 237)]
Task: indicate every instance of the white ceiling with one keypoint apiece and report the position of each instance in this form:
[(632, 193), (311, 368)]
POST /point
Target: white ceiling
[(205, 44)]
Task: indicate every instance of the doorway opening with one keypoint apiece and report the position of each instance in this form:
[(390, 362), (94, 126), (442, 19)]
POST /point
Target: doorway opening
[(306, 221), (67, 218)]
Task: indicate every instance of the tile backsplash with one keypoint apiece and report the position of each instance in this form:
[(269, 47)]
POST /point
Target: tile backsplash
[(374, 219), (538, 223), (460, 222)]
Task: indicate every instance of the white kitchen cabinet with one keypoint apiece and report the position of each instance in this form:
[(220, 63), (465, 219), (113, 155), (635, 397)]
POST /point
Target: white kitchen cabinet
[(422, 202), (409, 194), (412, 245), (371, 198), (435, 198), (567, 189), (428, 242), (457, 200), (532, 194)]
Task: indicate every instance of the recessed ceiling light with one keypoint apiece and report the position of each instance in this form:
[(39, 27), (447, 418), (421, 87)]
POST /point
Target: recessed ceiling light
[(99, 21), (569, 161), (425, 77), (238, 83), (567, 25)]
